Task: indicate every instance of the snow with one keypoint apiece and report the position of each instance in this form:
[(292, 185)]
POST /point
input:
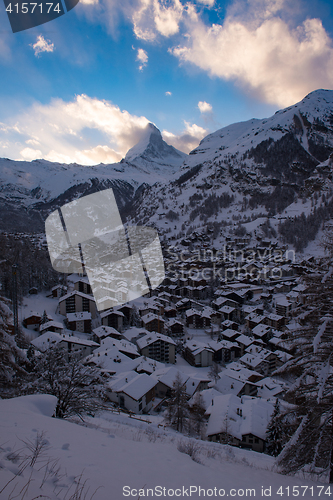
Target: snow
[(116, 451)]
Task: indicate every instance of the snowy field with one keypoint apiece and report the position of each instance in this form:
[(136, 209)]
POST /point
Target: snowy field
[(113, 457)]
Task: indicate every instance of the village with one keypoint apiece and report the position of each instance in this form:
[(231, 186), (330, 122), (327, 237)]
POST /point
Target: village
[(222, 333)]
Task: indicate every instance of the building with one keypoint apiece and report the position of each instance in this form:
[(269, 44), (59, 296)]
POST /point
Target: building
[(133, 391), (198, 353), (76, 301), (79, 322), (157, 346)]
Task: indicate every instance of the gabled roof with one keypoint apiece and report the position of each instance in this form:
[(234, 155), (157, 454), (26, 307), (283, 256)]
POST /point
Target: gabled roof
[(76, 292), (152, 337)]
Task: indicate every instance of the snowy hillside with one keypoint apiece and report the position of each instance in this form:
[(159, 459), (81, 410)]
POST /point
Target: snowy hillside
[(115, 456)]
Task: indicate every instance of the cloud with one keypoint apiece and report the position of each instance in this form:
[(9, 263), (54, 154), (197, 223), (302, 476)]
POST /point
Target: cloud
[(260, 51), (204, 107), (85, 130), (153, 18), (142, 57), (168, 93), (188, 139), (42, 45)]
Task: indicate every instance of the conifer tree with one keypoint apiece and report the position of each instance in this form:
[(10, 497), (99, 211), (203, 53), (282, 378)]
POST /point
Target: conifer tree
[(274, 434), (177, 411)]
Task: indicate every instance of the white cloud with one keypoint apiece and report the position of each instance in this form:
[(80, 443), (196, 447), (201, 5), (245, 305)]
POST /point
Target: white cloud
[(204, 107), (168, 93), (261, 52), (142, 57), (188, 139), (61, 131), (42, 45), (152, 17)]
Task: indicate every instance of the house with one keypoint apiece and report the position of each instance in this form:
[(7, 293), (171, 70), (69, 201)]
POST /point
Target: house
[(51, 326), (80, 322), (262, 331), (261, 360), (82, 285), (165, 379), (254, 319), (174, 327), (228, 313), (157, 346), (193, 319), (123, 346), (224, 351), (195, 384), (275, 321), (229, 334), (113, 318), (77, 302), (239, 422), (102, 332), (32, 321), (58, 291), (72, 345), (198, 353), (243, 341), (133, 391), (152, 322)]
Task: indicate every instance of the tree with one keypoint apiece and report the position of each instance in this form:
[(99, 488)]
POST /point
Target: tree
[(65, 376), (214, 371), (13, 362), (197, 415), (275, 433), (44, 318), (310, 415), (177, 411)]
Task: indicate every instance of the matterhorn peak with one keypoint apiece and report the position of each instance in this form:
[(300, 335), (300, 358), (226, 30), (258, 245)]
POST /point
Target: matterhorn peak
[(153, 149)]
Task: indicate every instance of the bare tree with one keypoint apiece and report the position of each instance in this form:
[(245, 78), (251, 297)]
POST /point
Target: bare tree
[(177, 411)]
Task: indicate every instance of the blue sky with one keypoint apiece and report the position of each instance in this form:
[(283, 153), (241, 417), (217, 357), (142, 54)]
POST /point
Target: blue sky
[(83, 87)]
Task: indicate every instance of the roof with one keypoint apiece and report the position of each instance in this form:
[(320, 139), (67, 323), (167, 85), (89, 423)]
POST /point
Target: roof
[(79, 316), (105, 331), (111, 311), (253, 419), (122, 345), (135, 385), (76, 292), (43, 342), (49, 324), (152, 337), (167, 376)]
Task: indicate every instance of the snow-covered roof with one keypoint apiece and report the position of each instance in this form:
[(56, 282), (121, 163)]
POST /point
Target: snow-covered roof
[(76, 292), (152, 337), (105, 331), (243, 416), (79, 316), (50, 324), (167, 376)]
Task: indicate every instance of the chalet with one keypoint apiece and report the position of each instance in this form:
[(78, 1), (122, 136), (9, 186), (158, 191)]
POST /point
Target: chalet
[(77, 302), (193, 319), (174, 327), (133, 391), (152, 323), (80, 322), (72, 345), (224, 351), (58, 291), (262, 331), (82, 285), (229, 334), (102, 332), (229, 324), (198, 353), (123, 346), (239, 422), (196, 384), (32, 321), (170, 312), (275, 321), (283, 307), (113, 318), (51, 326), (228, 313), (243, 341), (157, 346), (261, 360), (253, 320), (165, 378)]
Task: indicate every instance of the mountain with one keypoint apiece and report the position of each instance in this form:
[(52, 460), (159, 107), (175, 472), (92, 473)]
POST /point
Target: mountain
[(153, 150), (31, 190), (276, 167)]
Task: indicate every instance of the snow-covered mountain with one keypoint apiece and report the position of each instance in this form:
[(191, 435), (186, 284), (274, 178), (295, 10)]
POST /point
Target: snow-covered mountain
[(153, 150), (276, 167), (38, 187)]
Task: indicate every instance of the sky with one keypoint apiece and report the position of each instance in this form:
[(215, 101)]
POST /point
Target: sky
[(83, 87)]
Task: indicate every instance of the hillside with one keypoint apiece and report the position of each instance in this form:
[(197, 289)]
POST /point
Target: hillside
[(113, 451)]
